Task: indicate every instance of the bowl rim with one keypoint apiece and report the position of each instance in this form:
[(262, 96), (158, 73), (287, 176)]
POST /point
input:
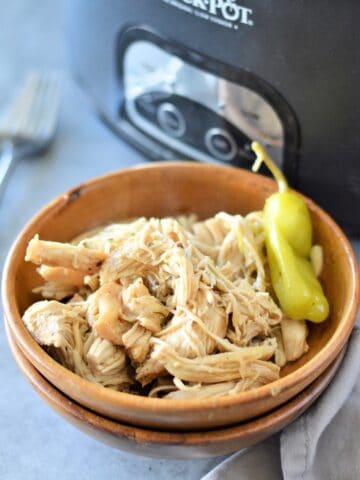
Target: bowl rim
[(35, 353)]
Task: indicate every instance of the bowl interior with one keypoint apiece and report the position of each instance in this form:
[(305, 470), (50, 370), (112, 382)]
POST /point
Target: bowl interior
[(183, 188)]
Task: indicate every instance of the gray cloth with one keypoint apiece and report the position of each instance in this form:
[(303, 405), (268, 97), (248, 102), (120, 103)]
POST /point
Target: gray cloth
[(323, 444)]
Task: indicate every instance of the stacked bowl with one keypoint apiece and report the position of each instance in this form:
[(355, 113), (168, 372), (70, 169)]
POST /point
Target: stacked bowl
[(168, 427)]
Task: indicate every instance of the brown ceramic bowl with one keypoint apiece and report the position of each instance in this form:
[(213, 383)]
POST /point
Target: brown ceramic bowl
[(173, 189), (182, 445)]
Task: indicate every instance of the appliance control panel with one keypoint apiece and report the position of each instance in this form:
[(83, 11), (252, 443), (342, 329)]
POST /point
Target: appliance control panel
[(179, 101), (191, 127)]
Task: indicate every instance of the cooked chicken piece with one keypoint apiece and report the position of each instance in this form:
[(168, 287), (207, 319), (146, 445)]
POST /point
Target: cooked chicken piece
[(136, 257), (149, 370), (211, 231), (120, 265), (187, 221), (174, 232), (78, 300), (185, 334), (214, 390), (221, 235), (56, 254), (62, 329), (246, 363), (158, 286), (99, 361), (137, 343), (139, 305), (208, 235), (253, 313), (54, 291), (91, 307), (235, 245), (59, 283), (294, 333), (280, 356), (62, 276), (116, 379), (146, 253), (49, 322), (317, 259), (92, 281), (241, 249), (110, 237), (109, 323), (154, 255), (182, 280), (203, 391), (57, 325), (103, 357)]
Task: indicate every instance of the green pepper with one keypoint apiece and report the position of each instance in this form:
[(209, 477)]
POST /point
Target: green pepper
[(288, 240)]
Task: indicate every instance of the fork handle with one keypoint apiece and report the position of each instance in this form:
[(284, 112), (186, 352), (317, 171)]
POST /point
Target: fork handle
[(7, 160)]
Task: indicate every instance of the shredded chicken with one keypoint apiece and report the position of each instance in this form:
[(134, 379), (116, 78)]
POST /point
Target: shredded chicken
[(51, 324), (143, 307), (61, 275), (245, 363), (59, 283), (294, 334), (63, 329), (137, 343), (221, 389), (55, 254), (55, 291), (107, 304), (106, 363), (180, 304)]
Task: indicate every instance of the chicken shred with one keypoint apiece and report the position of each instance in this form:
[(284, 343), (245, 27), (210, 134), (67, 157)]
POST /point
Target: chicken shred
[(56, 254), (181, 304), (137, 343), (246, 363), (63, 329), (107, 304)]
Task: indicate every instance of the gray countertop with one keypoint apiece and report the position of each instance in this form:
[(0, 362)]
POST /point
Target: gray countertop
[(35, 443)]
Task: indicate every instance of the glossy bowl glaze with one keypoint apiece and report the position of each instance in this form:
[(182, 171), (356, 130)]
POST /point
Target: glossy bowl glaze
[(171, 189), (178, 445)]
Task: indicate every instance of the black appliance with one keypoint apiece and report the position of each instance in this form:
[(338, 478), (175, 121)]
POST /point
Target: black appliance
[(201, 78)]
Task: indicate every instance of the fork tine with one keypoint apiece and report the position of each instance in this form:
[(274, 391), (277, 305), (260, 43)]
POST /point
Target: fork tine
[(29, 111), (12, 116), (31, 121), (48, 109), (33, 112), (43, 112)]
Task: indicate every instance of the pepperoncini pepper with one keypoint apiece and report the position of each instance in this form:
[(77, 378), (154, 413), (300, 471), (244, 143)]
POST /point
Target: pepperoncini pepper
[(288, 239)]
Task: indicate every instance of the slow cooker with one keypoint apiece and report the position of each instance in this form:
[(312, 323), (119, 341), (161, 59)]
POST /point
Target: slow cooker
[(201, 79)]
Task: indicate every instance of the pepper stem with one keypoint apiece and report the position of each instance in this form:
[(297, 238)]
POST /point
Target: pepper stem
[(262, 156)]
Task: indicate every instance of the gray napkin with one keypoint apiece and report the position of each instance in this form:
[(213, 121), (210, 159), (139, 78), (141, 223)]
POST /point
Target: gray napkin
[(323, 444)]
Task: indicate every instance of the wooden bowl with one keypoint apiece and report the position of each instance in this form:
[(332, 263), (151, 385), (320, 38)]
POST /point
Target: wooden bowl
[(172, 189), (161, 444)]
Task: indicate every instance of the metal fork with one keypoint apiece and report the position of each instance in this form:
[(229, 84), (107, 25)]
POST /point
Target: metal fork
[(27, 127)]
